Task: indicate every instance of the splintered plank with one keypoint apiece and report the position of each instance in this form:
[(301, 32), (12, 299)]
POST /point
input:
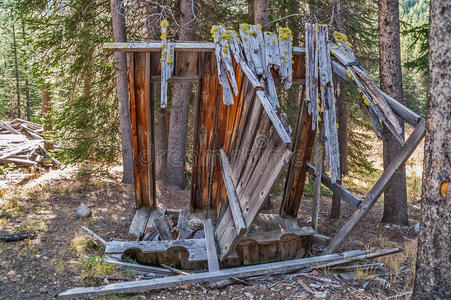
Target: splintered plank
[(139, 221), (231, 194), (412, 142), (141, 115), (176, 281), (302, 150)]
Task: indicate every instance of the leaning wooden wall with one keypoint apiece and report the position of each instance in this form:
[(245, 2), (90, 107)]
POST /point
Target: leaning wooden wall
[(216, 126)]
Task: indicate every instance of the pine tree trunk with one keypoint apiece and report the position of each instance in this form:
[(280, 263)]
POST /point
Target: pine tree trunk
[(432, 278), (342, 143), (342, 121), (395, 195), (45, 107), (27, 85), (261, 12), (17, 72), (178, 123), (118, 19)]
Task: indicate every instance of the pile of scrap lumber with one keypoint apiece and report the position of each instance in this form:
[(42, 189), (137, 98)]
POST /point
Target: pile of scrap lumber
[(22, 144), (162, 276)]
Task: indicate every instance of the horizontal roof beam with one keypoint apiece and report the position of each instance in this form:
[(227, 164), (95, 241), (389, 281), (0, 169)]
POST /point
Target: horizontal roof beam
[(155, 46)]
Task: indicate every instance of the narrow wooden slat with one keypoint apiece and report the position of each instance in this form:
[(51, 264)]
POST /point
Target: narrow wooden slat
[(336, 188), (231, 193), (412, 142), (134, 126), (213, 264), (175, 281)]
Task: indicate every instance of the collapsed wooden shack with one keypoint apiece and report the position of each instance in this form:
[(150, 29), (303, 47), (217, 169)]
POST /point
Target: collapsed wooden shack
[(242, 143)]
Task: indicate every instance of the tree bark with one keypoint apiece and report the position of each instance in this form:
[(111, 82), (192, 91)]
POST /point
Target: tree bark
[(17, 72), (261, 12), (342, 121), (395, 195), (433, 266), (27, 85), (178, 123), (118, 19), (45, 107)]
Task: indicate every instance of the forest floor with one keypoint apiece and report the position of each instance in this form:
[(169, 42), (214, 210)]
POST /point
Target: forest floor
[(62, 256)]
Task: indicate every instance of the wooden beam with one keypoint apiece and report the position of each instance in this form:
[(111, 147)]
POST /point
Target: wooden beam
[(405, 113), (212, 255), (336, 188), (137, 267), (155, 46), (412, 142), (178, 78), (231, 194), (318, 170), (176, 281), (272, 114)]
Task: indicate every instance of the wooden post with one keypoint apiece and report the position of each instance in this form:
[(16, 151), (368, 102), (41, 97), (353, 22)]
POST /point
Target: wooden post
[(318, 171)]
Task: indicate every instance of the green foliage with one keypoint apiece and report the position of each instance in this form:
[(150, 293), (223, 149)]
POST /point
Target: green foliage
[(68, 57)]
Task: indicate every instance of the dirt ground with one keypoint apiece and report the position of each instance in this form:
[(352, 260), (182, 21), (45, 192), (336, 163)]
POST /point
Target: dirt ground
[(62, 256)]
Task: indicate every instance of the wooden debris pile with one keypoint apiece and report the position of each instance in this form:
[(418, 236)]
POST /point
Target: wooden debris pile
[(22, 144), (216, 278)]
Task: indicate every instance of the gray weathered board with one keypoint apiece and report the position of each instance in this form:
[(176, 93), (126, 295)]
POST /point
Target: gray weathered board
[(195, 247), (176, 281)]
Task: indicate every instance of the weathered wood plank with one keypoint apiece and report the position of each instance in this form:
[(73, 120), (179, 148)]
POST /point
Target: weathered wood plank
[(195, 247), (155, 46), (412, 142), (139, 222), (318, 171), (164, 229), (213, 264), (134, 126), (137, 267), (231, 194), (302, 150), (336, 188), (243, 272)]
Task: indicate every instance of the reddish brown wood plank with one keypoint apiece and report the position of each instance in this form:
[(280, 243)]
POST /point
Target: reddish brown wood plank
[(297, 169), (134, 129), (141, 111)]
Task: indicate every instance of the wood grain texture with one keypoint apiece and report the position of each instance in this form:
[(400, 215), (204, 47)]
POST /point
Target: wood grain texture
[(302, 150)]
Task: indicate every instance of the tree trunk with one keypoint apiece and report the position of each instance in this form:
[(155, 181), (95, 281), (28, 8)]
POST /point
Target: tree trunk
[(118, 19), (261, 12), (161, 137), (17, 72), (27, 85), (395, 195), (342, 121), (178, 123), (433, 266), (45, 107), (342, 143)]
